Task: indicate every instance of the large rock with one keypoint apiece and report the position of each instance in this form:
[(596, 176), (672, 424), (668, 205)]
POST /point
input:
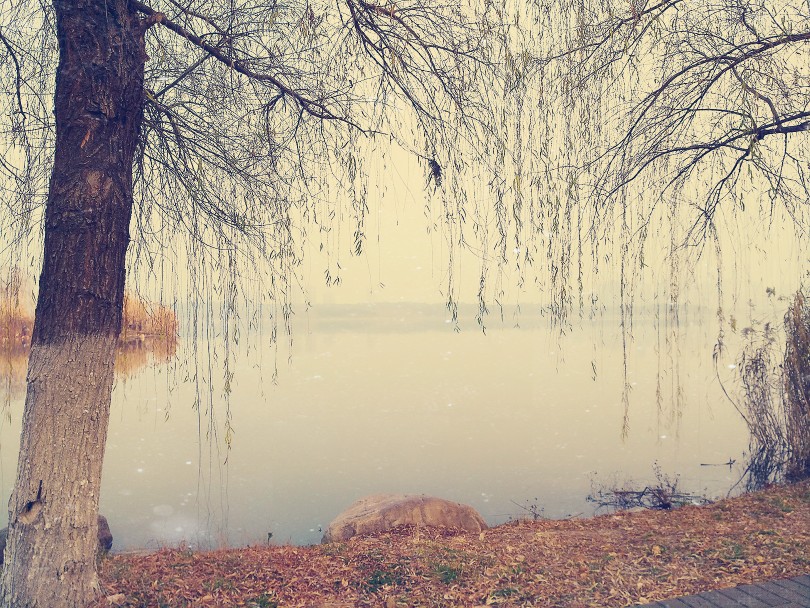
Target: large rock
[(105, 539), (381, 512)]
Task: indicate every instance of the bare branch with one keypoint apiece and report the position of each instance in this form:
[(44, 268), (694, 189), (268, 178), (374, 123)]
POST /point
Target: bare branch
[(13, 55), (315, 108)]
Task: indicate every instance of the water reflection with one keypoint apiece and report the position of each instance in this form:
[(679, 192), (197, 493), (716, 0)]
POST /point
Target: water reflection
[(16, 325)]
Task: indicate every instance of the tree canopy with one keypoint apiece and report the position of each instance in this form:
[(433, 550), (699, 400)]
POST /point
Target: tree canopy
[(258, 115), (577, 117)]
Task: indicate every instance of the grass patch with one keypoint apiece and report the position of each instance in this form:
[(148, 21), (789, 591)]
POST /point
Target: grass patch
[(379, 579), (262, 601), (447, 574)]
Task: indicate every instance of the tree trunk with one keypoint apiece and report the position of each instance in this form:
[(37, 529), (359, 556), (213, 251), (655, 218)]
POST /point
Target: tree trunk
[(50, 558)]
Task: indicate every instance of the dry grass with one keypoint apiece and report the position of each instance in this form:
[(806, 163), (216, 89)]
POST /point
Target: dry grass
[(148, 332), (16, 326), (142, 318), (775, 400), (797, 389), (612, 560)]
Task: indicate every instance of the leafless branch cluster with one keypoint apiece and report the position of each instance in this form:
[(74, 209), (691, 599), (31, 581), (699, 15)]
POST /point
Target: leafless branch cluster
[(775, 395), (709, 98), (257, 108), (531, 120)]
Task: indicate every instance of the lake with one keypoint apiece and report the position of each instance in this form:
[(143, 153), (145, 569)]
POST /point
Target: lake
[(388, 398)]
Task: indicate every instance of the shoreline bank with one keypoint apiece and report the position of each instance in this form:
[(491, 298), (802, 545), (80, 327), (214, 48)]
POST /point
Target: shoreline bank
[(609, 560)]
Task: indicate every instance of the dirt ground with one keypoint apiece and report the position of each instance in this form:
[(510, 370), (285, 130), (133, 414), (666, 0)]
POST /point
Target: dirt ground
[(611, 560)]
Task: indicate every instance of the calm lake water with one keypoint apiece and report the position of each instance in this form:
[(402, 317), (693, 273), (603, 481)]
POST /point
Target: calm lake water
[(389, 398)]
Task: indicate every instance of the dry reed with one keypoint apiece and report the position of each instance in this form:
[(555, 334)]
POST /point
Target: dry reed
[(796, 370), (147, 331), (776, 390)]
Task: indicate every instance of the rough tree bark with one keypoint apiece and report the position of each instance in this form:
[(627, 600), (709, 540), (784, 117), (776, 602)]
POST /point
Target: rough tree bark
[(50, 558)]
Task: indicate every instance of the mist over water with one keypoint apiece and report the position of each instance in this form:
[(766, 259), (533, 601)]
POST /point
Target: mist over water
[(377, 392), (388, 398)]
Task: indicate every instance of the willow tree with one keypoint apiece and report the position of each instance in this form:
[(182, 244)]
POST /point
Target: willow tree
[(645, 134), (692, 109), (705, 121), (233, 122), (213, 119)]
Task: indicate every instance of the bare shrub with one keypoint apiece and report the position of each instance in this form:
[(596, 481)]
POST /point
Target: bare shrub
[(662, 494), (775, 396), (796, 369)]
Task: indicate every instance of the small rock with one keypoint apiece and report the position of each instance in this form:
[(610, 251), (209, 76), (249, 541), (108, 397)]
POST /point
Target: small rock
[(105, 537)]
